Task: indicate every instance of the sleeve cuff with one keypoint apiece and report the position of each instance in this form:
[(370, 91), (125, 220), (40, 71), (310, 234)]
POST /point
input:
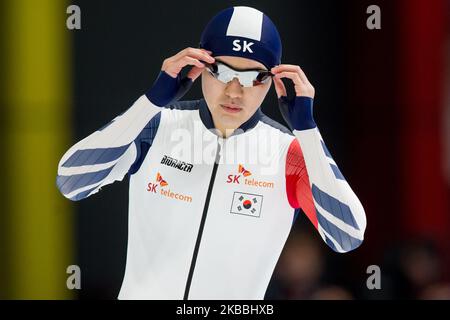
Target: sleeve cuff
[(301, 113)]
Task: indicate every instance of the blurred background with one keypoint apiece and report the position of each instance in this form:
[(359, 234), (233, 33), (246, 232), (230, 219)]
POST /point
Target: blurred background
[(382, 105)]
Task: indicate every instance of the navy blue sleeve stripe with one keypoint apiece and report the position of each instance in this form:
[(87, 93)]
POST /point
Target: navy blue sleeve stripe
[(337, 173), (84, 194), (67, 184), (144, 141), (296, 213), (325, 149), (94, 156), (330, 244), (335, 207), (346, 241)]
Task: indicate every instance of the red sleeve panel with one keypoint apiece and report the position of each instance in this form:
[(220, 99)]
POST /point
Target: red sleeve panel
[(297, 182)]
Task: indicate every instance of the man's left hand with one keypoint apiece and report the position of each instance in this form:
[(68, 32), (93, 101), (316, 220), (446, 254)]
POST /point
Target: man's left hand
[(303, 88)]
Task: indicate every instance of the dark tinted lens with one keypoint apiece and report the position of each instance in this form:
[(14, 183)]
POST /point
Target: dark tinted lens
[(211, 66), (262, 76)]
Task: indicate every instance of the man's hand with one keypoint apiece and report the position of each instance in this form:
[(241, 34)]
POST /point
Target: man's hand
[(189, 56), (168, 86), (297, 111), (303, 88)]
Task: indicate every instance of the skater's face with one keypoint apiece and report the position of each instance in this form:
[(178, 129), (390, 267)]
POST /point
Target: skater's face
[(232, 104)]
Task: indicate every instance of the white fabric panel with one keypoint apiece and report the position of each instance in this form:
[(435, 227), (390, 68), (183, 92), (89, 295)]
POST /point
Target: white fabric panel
[(246, 22)]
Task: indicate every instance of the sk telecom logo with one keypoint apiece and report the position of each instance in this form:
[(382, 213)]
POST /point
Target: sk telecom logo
[(152, 187), (242, 177), (160, 180), (244, 172), (233, 178)]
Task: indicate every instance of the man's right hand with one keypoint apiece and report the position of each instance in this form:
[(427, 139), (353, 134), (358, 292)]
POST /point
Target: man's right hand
[(189, 56), (168, 87)]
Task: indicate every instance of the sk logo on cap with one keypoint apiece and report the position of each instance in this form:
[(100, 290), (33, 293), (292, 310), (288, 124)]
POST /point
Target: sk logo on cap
[(245, 47)]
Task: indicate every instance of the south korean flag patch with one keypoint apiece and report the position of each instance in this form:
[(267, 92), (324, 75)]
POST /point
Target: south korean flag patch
[(247, 204)]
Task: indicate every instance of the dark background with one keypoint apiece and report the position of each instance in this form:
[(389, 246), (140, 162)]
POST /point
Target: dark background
[(379, 104)]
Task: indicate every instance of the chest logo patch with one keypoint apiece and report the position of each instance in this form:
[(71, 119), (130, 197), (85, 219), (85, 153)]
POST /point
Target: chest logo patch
[(247, 204), (158, 187), (177, 164), (243, 177)]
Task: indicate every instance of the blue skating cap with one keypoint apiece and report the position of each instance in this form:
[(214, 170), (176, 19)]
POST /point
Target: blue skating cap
[(243, 32)]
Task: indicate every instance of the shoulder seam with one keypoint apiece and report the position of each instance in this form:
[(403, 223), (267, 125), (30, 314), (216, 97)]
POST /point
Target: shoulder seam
[(275, 125), (184, 105)]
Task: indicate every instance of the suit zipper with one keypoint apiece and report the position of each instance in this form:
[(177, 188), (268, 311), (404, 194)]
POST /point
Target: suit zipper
[(202, 223)]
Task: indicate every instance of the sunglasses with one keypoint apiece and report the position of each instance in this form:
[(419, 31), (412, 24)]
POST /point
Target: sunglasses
[(247, 78)]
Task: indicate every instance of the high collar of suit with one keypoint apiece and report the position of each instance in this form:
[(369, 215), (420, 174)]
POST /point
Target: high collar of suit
[(206, 117)]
